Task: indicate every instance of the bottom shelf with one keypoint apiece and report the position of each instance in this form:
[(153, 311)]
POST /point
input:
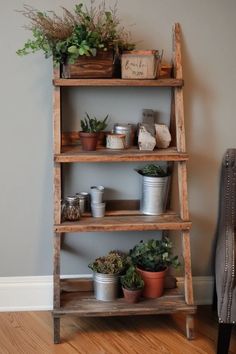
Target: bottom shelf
[(84, 304)]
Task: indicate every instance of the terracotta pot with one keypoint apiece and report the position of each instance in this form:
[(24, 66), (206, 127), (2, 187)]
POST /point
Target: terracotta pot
[(132, 296), (101, 139), (88, 141), (153, 283)]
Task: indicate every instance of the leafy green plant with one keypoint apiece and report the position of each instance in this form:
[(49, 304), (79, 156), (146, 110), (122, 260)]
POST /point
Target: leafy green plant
[(132, 280), (74, 34), (114, 262), (93, 125), (154, 255), (152, 170)]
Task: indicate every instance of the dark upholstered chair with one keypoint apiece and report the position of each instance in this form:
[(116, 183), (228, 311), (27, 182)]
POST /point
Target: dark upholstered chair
[(225, 261)]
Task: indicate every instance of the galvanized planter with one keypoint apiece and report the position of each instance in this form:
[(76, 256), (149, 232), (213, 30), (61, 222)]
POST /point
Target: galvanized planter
[(154, 195), (106, 286)]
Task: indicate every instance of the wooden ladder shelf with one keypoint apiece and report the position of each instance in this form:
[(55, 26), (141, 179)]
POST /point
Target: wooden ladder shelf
[(75, 296)]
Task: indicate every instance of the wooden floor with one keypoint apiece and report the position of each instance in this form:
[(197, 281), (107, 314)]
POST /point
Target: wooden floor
[(31, 332)]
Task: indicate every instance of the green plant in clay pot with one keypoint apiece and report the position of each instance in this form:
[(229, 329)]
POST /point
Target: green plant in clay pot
[(106, 272), (152, 259), (132, 285), (82, 32), (91, 129), (155, 189)]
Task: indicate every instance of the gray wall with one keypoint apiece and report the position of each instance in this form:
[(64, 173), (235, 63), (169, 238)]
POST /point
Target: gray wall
[(26, 206)]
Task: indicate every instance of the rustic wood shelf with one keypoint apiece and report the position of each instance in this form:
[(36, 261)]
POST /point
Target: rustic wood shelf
[(123, 215), (85, 305), (76, 154), (125, 223), (118, 83), (77, 299)]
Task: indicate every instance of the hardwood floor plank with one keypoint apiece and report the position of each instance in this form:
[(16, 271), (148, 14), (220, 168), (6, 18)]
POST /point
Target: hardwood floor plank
[(31, 333)]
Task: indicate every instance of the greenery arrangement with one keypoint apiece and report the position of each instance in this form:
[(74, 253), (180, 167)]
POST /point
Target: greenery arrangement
[(81, 32), (132, 280), (152, 170), (154, 255), (114, 262), (93, 125)]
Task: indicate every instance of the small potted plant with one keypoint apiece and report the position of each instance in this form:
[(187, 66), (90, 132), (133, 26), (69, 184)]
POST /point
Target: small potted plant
[(132, 285), (106, 271), (152, 259), (91, 128), (155, 188)]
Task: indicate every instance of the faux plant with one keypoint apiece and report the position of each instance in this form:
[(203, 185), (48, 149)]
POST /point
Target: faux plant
[(132, 280), (154, 255), (81, 32), (152, 170), (93, 125), (114, 262)]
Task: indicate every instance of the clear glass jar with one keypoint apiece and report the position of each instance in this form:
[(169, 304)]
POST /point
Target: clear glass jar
[(70, 209)]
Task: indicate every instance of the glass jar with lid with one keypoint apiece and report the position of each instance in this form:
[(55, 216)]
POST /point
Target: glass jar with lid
[(70, 209)]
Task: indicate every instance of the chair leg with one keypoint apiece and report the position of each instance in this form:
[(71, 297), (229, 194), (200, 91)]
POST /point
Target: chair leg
[(224, 333)]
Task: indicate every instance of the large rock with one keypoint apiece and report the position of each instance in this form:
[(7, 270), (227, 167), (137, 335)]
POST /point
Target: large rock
[(146, 141), (163, 137)]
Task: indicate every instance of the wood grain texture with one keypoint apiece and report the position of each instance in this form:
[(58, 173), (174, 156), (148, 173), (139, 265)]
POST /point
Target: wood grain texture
[(119, 82), (125, 223), (177, 55), (99, 66), (56, 115), (84, 304), (31, 332), (188, 284), (76, 154), (57, 192), (183, 190), (56, 270)]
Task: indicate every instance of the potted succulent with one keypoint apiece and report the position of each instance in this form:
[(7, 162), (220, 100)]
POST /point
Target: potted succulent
[(107, 270), (83, 34), (152, 259), (132, 285), (91, 128), (155, 188)]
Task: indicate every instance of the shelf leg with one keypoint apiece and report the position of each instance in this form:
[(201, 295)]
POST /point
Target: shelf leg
[(56, 330), (190, 327)]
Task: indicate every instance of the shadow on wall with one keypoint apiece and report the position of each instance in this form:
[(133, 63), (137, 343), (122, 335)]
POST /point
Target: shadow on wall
[(203, 167)]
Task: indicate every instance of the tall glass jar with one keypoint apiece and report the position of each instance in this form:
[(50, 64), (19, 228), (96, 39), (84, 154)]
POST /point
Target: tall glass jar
[(70, 209)]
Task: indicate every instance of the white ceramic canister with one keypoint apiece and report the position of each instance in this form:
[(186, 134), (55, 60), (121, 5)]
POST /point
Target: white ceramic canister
[(98, 210), (116, 141), (97, 194)]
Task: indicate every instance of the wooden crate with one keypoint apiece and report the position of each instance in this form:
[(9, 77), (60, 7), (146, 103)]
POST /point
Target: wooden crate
[(85, 67), (140, 64)]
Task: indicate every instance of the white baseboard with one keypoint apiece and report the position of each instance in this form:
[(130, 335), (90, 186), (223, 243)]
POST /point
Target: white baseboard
[(36, 293)]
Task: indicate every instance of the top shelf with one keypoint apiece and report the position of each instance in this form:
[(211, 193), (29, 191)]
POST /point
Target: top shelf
[(118, 83)]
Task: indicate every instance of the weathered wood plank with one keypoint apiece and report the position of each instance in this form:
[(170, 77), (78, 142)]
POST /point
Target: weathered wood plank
[(125, 223), (57, 193), (84, 304), (177, 55), (179, 103), (56, 270), (190, 327), (56, 115), (183, 190), (76, 154), (187, 268), (119, 82)]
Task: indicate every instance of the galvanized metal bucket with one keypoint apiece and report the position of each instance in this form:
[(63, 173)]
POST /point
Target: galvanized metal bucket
[(154, 195), (105, 286)]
